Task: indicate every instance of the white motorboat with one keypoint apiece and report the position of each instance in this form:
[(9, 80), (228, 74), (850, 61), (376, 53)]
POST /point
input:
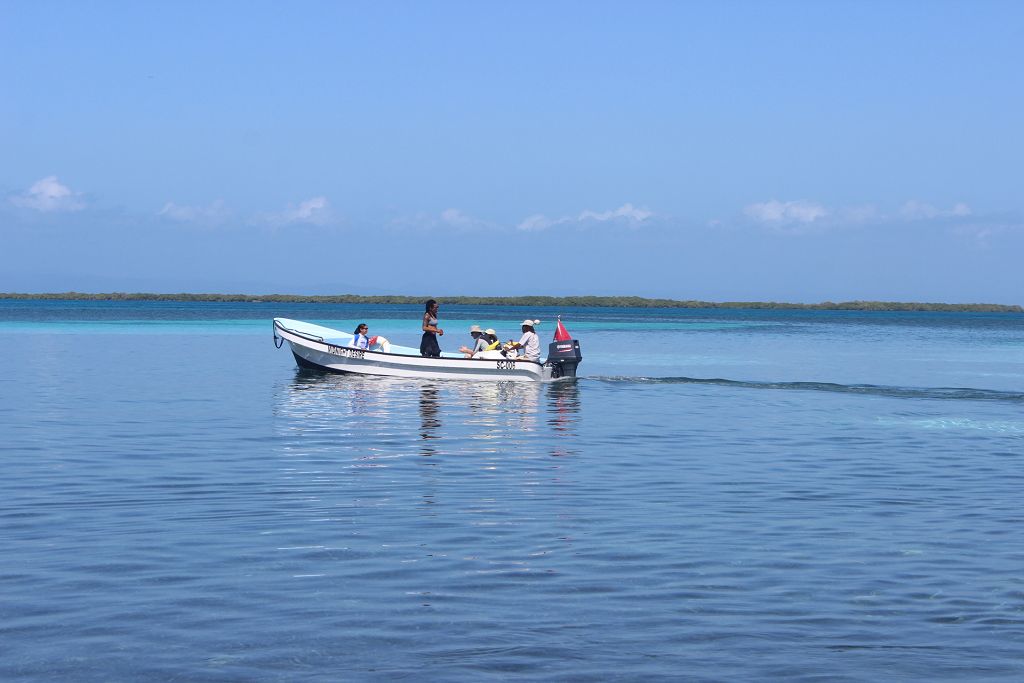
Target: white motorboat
[(322, 348)]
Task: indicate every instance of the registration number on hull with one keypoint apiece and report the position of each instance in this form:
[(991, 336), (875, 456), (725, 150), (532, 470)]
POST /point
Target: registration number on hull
[(347, 353), (506, 365)]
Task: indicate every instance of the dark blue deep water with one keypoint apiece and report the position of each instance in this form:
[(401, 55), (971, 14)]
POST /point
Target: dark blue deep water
[(722, 496)]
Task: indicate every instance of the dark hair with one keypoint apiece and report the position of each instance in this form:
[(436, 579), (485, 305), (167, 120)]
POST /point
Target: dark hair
[(356, 331), (429, 304)]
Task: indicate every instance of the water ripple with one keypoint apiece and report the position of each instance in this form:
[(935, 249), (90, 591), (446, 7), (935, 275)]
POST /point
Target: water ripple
[(940, 393)]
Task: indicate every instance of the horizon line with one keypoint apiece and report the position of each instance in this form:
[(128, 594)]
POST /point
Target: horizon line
[(582, 301)]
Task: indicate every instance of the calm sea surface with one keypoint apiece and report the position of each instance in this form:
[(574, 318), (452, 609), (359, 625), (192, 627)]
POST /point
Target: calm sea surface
[(722, 496)]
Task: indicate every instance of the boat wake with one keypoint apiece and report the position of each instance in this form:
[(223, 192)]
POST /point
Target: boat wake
[(938, 393)]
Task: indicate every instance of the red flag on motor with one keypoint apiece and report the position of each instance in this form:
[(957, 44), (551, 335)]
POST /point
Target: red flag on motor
[(561, 334)]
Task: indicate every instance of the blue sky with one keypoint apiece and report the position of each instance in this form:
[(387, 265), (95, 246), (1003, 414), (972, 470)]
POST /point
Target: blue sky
[(796, 151)]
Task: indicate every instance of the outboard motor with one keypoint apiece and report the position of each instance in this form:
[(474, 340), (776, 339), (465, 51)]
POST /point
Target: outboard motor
[(563, 354)]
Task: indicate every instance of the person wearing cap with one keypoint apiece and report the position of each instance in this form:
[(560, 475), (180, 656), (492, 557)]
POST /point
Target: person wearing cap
[(529, 342), (492, 339), (480, 344)]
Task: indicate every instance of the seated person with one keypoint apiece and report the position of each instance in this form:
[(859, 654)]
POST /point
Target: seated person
[(359, 338), (479, 343), (529, 343), (493, 349)]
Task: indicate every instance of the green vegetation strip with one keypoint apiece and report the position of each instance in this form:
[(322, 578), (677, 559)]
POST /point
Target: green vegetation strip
[(533, 301)]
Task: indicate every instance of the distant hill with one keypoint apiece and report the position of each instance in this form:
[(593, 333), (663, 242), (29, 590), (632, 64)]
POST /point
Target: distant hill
[(536, 301)]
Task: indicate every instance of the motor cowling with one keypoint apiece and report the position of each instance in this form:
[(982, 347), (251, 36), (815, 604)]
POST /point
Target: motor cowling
[(563, 357)]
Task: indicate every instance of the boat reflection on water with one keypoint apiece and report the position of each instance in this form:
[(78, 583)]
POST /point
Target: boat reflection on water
[(424, 478), (563, 406), (497, 415), (430, 422), (381, 417)]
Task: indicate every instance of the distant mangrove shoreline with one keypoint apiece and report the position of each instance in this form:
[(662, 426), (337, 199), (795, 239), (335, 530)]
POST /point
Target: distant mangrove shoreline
[(534, 301)]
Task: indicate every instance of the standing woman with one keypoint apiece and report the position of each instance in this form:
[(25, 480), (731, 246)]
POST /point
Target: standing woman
[(428, 344)]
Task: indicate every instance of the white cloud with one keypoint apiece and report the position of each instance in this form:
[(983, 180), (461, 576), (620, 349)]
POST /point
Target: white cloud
[(914, 210), (456, 218), (627, 213), (536, 222), (805, 217), (48, 194), (781, 213), (217, 212), (314, 211)]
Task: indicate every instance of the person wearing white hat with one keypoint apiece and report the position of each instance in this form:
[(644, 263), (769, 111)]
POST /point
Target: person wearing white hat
[(479, 344), (492, 339), (529, 342)]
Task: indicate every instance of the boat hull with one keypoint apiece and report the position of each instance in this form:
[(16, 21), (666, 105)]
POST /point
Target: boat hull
[(314, 352)]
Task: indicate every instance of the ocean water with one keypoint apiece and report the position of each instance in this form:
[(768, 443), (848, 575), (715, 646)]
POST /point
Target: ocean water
[(721, 496)]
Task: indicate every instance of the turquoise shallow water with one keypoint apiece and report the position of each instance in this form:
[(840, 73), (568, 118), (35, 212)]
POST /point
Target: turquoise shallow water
[(723, 495)]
